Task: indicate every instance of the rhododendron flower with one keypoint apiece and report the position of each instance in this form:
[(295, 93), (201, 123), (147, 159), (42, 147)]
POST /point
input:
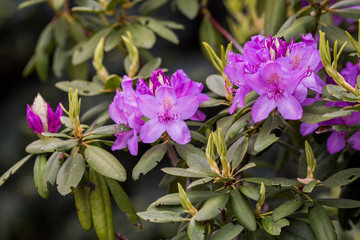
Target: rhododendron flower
[(167, 103), (41, 117), (293, 68), (166, 112)]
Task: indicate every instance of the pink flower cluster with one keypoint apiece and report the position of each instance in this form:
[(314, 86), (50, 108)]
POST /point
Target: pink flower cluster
[(154, 108)]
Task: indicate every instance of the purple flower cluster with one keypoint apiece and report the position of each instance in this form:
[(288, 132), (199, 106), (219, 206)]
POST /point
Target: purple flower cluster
[(280, 72), (41, 117), (337, 139), (165, 102)]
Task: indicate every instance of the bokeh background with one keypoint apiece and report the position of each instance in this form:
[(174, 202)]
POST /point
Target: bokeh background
[(23, 213)]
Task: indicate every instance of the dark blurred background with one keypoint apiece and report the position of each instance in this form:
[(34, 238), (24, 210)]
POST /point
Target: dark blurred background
[(23, 213)]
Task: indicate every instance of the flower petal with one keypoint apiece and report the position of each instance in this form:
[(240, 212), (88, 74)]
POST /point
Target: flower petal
[(262, 107), (54, 122), (178, 131), (354, 140), (151, 131), (198, 116), (306, 128), (133, 144), (149, 106), (185, 107), (121, 140), (34, 120), (289, 107), (336, 142)]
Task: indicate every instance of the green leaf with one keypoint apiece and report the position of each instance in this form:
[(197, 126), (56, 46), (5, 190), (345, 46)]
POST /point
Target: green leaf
[(149, 160), (342, 178), (29, 3), (320, 223), (239, 153), (334, 33), (151, 6), (45, 41), (340, 93), (310, 158), (345, 4), (198, 137), (42, 65), (338, 203), (242, 210), (148, 68), (281, 182), (79, 71), (200, 182), (349, 13), (197, 157), (161, 217), (275, 15), (82, 203), (286, 209), (317, 112), (104, 163), (250, 192), (189, 8), (195, 230), (310, 186), (265, 137), (162, 29), (60, 32), (112, 40), (30, 66), (113, 82), (39, 167), (212, 207), (182, 172), (70, 174), (216, 84), (86, 50), (60, 59), (141, 35), (100, 204), (14, 168), (122, 201), (300, 26), (77, 32), (238, 125), (38, 146), (174, 198), (274, 227), (51, 169), (209, 34), (212, 103), (85, 88), (228, 232), (297, 230)]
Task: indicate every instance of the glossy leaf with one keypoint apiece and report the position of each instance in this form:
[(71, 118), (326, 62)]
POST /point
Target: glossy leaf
[(250, 192), (286, 209), (161, 217), (339, 203), (300, 26), (82, 203), (239, 153), (265, 137), (242, 210), (182, 172), (101, 207), (342, 178), (149, 160), (13, 169), (297, 230), (238, 125), (104, 163), (174, 198), (334, 33), (211, 208), (39, 167), (122, 201), (195, 230), (216, 84), (84, 87), (70, 174), (228, 232), (200, 182), (274, 227), (310, 186), (320, 223)]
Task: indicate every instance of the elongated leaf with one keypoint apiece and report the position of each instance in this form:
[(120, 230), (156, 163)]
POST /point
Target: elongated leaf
[(239, 153), (275, 15), (200, 182), (101, 207), (334, 33), (161, 217), (148, 68), (250, 192), (300, 26), (149, 160), (216, 84), (342, 178), (349, 13), (189, 8), (274, 227), (51, 169), (151, 6), (320, 223), (38, 146), (82, 203), (122, 201), (42, 65), (182, 172), (70, 174), (228, 232), (237, 126), (141, 35), (174, 198), (212, 207), (84, 87), (39, 167), (105, 163), (286, 209), (310, 186), (29, 3), (345, 4), (185, 150), (242, 210), (195, 230), (339, 203), (13, 169), (265, 137), (297, 230), (60, 32)]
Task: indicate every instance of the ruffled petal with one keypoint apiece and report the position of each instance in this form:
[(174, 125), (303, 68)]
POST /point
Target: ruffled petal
[(336, 142), (262, 107), (151, 131), (289, 107), (178, 131)]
